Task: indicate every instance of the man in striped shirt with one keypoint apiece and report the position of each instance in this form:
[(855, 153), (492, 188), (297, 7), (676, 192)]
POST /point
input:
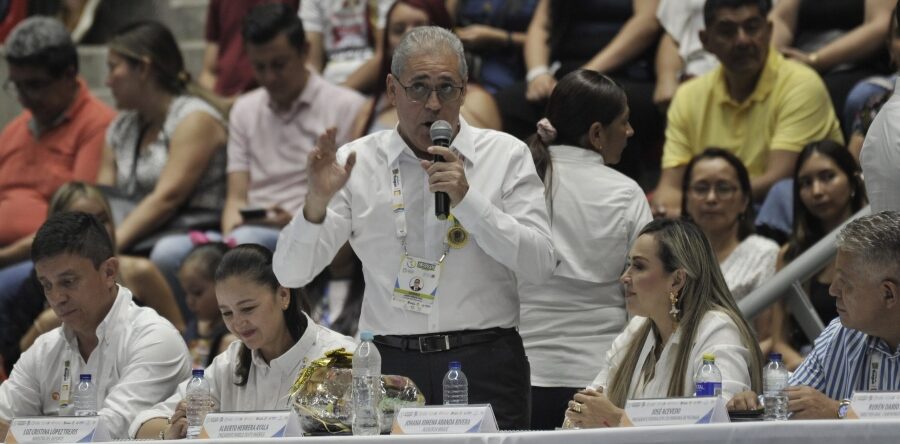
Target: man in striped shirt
[(859, 350)]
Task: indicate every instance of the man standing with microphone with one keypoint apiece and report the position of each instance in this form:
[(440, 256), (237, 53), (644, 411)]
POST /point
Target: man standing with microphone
[(377, 192)]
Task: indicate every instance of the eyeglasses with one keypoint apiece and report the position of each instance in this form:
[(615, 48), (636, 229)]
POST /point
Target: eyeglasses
[(29, 87), (723, 190), (420, 92)]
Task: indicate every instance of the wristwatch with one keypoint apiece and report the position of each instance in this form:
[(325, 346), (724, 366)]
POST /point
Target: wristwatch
[(843, 408)]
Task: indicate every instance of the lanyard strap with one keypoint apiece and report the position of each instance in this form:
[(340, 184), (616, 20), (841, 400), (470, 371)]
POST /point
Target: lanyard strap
[(399, 210)]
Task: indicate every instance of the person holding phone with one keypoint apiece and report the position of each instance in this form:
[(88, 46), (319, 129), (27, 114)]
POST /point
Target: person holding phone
[(267, 175)]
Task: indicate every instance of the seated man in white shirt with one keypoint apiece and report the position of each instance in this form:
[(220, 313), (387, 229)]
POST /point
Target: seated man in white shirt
[(134, 356), (467, 306), (860, 349)]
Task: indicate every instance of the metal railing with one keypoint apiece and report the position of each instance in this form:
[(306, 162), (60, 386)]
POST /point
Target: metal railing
[(788, 283)]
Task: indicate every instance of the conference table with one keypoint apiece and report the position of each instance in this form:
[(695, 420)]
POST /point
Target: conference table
[(791, 432)]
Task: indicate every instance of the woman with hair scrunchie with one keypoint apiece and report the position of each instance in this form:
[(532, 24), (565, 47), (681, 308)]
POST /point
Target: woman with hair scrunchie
[(165, 151), (568, 322)]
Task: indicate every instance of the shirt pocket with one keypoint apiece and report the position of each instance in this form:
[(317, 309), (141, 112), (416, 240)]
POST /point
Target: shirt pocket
[(59, 160), (598, 259)]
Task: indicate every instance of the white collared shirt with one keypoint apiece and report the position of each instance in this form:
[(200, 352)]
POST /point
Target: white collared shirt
[(503, 212), (716, 334), (880, 156), (267, 384), (139, 360), (569, 321)]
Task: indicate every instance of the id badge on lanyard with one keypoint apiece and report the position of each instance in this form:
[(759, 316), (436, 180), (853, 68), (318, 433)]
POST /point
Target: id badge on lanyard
[(65, 387), (874, 379), (415, 287)]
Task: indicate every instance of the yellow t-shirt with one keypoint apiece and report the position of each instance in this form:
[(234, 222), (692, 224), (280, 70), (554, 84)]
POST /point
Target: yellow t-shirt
[(789, 108)]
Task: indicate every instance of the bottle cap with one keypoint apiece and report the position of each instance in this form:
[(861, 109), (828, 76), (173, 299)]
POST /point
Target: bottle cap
[(455, 365), (86, 377), (775, 357), (197, 372), (366, 335), (709, 357)]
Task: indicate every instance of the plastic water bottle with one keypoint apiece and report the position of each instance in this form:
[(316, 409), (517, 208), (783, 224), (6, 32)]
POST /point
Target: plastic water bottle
[(86, 397), (366, 394), (198, 403), (708, 379), (775, 377), (456, 386)]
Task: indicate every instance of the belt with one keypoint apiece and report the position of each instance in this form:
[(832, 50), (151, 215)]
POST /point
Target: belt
[(439, 342)]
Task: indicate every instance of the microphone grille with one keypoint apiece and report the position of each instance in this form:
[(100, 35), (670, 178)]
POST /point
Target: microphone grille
[(441, 130)]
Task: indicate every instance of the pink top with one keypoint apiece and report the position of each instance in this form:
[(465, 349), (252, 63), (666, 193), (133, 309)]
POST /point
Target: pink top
[(273, 146)]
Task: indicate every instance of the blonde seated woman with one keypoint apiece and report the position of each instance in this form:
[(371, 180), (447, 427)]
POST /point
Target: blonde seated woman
[(681, 309), (137, 273)]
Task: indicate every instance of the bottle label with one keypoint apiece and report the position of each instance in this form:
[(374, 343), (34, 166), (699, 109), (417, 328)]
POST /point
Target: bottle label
[(775, 383), (704, 389)]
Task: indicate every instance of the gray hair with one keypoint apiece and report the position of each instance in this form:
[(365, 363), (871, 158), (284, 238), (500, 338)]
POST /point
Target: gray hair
[(874, 238), (430, 40), (35, 35), (42, 42)]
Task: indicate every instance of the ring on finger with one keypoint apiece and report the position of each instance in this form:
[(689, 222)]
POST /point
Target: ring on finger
[(576, 407)]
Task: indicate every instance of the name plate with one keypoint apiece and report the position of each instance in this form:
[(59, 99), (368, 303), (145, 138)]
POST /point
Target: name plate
[(874, 405), (270, 424), (673, 411), (438, 419), (52, 429)]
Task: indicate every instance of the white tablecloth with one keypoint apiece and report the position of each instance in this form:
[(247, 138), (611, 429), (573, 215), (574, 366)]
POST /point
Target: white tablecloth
[(790, 432)]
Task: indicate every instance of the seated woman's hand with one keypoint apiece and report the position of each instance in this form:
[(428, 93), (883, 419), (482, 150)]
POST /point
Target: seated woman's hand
[(747, 400), (591, 409), (177, 428), (178, 424)]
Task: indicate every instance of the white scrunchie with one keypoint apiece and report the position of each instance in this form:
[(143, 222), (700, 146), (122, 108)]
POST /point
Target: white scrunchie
[(546, 131)]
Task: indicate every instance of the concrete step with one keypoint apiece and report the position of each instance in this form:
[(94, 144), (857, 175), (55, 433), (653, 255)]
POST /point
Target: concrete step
[(186, 18)]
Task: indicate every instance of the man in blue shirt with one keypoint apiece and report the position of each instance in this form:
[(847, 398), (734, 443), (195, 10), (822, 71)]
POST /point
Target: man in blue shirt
[(859, 350)]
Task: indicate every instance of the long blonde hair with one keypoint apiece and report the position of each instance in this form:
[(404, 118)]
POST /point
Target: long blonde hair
[(682, 245)]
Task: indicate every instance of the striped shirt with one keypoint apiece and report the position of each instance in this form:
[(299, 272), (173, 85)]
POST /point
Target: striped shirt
[(846, 360)]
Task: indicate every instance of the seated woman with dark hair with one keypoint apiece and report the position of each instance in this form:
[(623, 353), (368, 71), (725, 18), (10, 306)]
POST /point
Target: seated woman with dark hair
[(682, 310), (828, 189), (276, 340), (165, 151), (717, 197)]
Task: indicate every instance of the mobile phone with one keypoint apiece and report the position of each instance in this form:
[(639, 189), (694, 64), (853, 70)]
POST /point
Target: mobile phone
[(253, 213)]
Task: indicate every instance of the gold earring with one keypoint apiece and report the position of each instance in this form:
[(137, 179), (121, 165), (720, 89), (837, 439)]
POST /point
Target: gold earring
[(674, 311)]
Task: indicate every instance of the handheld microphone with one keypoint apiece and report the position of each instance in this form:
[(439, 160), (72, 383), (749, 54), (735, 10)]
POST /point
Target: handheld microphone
[(441, 133)]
